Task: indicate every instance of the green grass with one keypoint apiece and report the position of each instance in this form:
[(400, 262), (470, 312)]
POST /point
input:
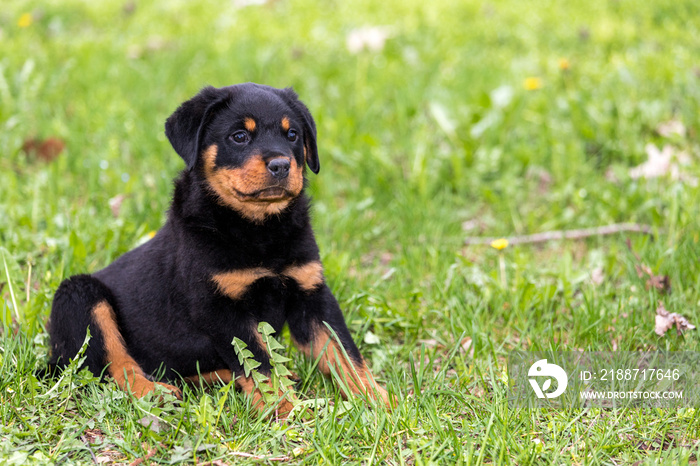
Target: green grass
[(435, 130)]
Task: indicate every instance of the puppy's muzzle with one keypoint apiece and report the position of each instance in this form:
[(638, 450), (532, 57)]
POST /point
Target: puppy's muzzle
[(278, 166)]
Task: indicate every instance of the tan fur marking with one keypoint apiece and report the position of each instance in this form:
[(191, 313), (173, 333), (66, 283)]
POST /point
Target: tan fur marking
[(249, 124), (308, 276), (285, 123), (284, 407), (259, 339), (357, 377), (234, 284), (233, 185), (122, 367), (211, 378), (295, 181)]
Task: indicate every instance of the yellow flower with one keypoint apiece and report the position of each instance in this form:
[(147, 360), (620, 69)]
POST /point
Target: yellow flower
[(532, 83), (151, 234), (499, 244), (25, 20), (564, 64)]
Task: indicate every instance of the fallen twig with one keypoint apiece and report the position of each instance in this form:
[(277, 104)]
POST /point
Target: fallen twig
[(150, 453), (259, 457), (87, 445), (566, 234)]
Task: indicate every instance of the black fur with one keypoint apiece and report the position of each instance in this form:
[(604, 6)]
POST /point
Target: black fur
[(173, 319)]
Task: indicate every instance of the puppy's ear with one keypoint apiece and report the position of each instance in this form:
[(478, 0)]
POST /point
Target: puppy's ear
[(184, 128), (293, 101)]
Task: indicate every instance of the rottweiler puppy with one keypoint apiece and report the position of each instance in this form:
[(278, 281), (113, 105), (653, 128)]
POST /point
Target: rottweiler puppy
[(237, 249)]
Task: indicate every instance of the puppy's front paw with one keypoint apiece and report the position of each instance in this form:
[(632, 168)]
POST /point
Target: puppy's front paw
[(140, 386), (283, 404)]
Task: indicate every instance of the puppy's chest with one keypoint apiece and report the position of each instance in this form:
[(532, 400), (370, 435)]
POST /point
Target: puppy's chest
[(237, 283)]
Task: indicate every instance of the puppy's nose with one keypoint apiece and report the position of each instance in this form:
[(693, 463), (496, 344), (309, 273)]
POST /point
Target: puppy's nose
[(279, 167)]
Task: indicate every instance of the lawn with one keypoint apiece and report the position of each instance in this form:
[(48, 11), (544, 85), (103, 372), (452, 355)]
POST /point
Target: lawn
[(448, 120)]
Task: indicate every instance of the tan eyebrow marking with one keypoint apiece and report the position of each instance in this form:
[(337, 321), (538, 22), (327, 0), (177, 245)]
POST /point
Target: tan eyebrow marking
[(249, 124), (285, 123)]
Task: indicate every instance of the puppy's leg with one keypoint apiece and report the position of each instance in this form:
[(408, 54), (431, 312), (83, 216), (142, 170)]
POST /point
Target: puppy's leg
[(284, 405), (81, 302), (307, 324), (247, 331), (246, 384), (122, 367)]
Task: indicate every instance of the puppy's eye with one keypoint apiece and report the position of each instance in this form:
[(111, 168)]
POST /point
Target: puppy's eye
[(292, 135), (240, 137)]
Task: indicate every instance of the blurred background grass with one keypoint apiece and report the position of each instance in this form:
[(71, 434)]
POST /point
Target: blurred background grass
[(465, 118)]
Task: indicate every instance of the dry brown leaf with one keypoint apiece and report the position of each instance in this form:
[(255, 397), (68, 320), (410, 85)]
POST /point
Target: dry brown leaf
[(469, 225), (431, 343), (46, 150), (662, 162), (660, 282), (245, 3), (129, 7), (109, 456), (149, 454), (543, 177), (152, 45), (658, 163), (597, 276), (665, 320), (467, 346), (671, 128), (611, 176), (94, 435), (104, 459), (152, 422), (658, 444), (115, 204), (370, 38)]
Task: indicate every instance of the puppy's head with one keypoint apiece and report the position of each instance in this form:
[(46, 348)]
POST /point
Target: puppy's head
[(249, 142)]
